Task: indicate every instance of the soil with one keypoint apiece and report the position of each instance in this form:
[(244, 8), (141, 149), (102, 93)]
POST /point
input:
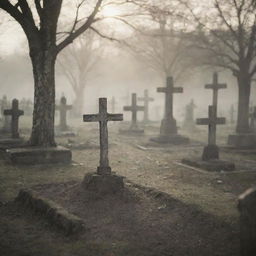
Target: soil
[(201, 217)]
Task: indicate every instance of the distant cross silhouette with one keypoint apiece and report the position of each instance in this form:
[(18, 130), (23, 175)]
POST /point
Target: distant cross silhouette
[(63, 108), (146, 99), (215, 86), (134, 108), (15, 113), (103, 117), (169, 90), (212, 121)]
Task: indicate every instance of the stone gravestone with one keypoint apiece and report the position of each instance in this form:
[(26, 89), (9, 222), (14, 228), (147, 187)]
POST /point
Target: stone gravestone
[(146, 99), (215, 87), (189, 122), (6, 119), (134, 108), (168, 129), (63, 109), (247, 209), (15, 113), (252, 116), (210, 158), (104, 181)]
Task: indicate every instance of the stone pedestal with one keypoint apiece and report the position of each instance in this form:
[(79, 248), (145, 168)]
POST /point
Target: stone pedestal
[(11, 143), (174, 139), (38, 155), (215, 165), (242, 140), (103, 184), (210, 152), (168, 127), (247, 209)]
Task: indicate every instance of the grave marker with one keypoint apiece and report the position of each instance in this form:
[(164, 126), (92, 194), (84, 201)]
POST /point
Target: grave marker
[(252, 116), (211, 151), (15, 113), (63, 108)]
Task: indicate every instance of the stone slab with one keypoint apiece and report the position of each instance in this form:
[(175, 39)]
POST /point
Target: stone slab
[(6, 143), (171, 139), (215, 165), (52, 212), (103, 184), (39, 155), (131, 131), (246, 140)]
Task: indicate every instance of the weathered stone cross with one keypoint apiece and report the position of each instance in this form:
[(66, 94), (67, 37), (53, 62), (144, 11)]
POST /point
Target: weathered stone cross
[(168, 125), (212, 121), (215, 86), (103, 117), (253, 118), (134, 108), (146, 99), (63, 108), (15, 113)]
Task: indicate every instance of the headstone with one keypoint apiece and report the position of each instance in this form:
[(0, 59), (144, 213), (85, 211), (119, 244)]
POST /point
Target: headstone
[(104, 181), (210, 158), (211, 151), (168, 129), (189, 122), (247, 209), (232, 114), (63, 108), (6, 119), (15, 113), (215, 86), (134, 108), (146, 99), (252, 116)]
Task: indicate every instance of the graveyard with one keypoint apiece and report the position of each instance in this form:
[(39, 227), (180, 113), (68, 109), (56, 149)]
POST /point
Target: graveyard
[(125, 136)]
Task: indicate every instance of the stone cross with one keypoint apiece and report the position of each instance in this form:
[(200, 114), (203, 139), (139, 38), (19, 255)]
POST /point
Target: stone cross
[(63, 108), (15, 113), (212, 121), (215, 86), (168, 125), (146, 99), (134, 108), (103, 117)]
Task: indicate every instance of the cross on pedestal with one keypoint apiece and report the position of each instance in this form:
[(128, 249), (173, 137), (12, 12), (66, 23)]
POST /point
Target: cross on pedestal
[(215, 86), (63, 108), (15, 113), (168, 125), (103, 117), (211, 151), (134, 108), (146, 99)]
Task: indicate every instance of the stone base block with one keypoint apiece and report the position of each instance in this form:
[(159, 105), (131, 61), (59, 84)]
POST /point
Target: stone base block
[(168, 126), (38, 155), (11, 143), (171, 139), (210, 152), (131, 131), (52, 212), (243, 140), (215, 165), (103, 184)]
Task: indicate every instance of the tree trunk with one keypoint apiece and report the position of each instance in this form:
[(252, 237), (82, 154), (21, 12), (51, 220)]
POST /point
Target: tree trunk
[(43, 63), (244, 89), (78, 104)]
